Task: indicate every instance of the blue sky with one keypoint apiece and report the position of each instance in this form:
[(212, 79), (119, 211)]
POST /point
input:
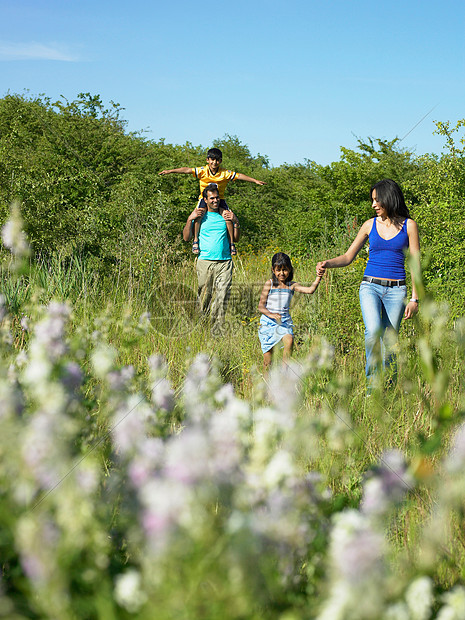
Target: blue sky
[(293, 80)]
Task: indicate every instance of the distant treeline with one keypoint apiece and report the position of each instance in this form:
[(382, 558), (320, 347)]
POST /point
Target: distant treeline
[(86, 185)]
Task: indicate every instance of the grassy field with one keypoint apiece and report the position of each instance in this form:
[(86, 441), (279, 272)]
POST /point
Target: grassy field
[(133, 332)]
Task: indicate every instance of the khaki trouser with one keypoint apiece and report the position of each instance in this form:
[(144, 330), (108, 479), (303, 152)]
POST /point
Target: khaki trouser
[(214, 275)]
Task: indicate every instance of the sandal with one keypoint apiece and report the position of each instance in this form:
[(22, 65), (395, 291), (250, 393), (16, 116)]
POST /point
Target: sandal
[(195, 247), (232, 247)]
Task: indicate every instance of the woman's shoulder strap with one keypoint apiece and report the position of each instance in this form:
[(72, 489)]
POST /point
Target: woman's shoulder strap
[(369, 225)]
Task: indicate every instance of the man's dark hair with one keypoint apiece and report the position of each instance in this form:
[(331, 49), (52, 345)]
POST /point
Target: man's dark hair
[(215, 154), (212, 187)]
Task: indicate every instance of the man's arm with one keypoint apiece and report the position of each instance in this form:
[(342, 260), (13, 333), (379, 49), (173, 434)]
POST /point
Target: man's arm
[(187, 230), (184, 170), (244, 177)]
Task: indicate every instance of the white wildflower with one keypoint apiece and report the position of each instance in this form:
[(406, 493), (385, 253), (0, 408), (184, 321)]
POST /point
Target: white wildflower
[(103, 359), (279, 469), (398, 611), (454, 609), (21, 359), (447, 613), (3, 308), (163, 395), (129, 423), (87, 478), (13, 235), (284, 386), (144, 321), (188, 456), (146, 461), (419, 598), (37, 371), (356, 549), (49, 334), (120, 380), (336, 605), (128, 591), (340, 434), (166, 504), (225, 394), (225, 445), (388, 484), (455, 461)]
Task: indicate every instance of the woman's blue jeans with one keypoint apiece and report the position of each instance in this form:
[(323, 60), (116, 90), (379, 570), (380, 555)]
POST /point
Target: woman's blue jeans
[(382, 310)]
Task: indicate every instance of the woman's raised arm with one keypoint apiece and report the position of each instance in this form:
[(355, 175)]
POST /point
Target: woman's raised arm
[(345, 259)]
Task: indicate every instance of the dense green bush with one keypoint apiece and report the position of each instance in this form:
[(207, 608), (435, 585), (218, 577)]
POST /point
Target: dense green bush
[(88, 187)]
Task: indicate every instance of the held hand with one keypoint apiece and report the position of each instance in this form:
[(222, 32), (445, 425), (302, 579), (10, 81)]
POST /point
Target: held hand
[(321, 268), (229, 215), (197, 212), (410, 309)]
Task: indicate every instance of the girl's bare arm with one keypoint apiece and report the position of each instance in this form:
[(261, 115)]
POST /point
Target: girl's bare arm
[(262, 303), (307, 289)]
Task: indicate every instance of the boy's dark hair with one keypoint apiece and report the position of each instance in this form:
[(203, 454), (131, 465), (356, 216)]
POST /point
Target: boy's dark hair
[(281, 260), (211, 187), (215, 154), (391, 198)]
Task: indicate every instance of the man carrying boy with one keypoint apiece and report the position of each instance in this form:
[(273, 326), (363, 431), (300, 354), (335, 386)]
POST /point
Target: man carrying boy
[(214, 265), (213, 173)]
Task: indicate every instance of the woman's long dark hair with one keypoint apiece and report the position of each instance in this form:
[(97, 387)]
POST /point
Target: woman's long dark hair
[(391, 198), (281, 260)]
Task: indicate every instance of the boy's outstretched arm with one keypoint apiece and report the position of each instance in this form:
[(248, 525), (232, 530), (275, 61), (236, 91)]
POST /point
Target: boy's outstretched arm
[(184, 170), (244, 177)]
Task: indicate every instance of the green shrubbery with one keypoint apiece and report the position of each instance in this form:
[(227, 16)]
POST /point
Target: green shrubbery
[(87, 187)]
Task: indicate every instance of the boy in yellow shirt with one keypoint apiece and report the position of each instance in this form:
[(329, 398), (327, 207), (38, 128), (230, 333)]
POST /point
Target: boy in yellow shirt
[(213, 173)]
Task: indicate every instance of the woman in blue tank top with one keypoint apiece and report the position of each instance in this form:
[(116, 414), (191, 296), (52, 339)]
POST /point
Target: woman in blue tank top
[(383, 290)]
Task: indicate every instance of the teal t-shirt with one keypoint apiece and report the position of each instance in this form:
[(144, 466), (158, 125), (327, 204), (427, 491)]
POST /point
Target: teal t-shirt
[(213, 238)]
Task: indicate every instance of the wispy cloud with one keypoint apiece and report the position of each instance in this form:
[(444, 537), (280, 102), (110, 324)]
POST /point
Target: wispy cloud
[(35, 51)]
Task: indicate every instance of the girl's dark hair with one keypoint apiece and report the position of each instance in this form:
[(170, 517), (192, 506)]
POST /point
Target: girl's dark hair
[(391, 198), (281, 260)]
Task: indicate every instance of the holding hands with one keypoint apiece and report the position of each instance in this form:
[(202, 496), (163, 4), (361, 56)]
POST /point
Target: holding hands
[(228, 215), (321, 268), (197, 212)]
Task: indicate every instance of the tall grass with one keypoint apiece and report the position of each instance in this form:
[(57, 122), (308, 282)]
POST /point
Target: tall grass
[(129, 314)]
